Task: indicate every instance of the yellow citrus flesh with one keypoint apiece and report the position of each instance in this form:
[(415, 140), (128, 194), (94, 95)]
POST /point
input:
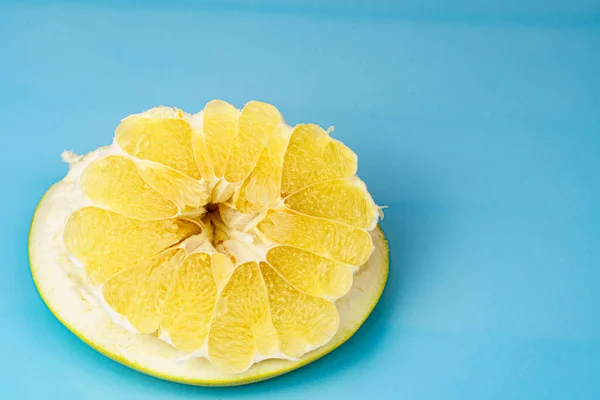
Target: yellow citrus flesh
[(311, 274), (188, 310), (161, 135), (108, 243), (219, 127), (339, 199), (312, 156), (179, 188), (323, 237), (139, 293), (242, 324), (261, 189), (114, 182), (302, 322), (228, 234), (257, 123)]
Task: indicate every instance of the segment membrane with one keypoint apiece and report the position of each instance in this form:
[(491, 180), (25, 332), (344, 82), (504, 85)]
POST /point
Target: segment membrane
[(311, 274), (107, 243), (319, 236), (115, 183), (344, 200), (163, 135), (189, 307), (175, 186), (219, 126), (139, 293), (302, 322), (313, 156), (262, 188), (242, 325), (258, 121)]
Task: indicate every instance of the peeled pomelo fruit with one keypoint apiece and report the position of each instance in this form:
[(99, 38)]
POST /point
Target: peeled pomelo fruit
[(218, 248)]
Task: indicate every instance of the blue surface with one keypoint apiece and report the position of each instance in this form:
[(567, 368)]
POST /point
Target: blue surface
[(477, 123)]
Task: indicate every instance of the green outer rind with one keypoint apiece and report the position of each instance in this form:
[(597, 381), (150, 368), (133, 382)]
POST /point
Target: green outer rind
[(233, 381)]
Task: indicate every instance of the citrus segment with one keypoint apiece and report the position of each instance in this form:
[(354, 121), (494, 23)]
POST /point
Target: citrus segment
[(175, 186), (115, 183), (313, 156), (138, 293), (219, 125), (322, 237), (200, 151), (309, 273), (256, 124), (242, 324), (107, 243), (189, 306), (163, 135), (262, 188), (222, 268), (302, 322), (344, 200)]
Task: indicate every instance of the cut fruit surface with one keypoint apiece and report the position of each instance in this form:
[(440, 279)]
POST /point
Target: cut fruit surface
[(219, 123), (257, 123), (311, 274), (190, 301), (163, 135), (262, 188), (242, 326), (107, 242), (338, 199), (179, 188), (139, 293), (302, 322), (114, 182), (226, 234), (313, 156), (319, 236)]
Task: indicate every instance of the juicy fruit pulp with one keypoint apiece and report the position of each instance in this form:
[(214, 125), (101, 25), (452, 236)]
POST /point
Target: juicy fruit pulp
[(227, 233)]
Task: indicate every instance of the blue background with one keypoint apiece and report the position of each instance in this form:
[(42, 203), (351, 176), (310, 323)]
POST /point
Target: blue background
[(477, 123)]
